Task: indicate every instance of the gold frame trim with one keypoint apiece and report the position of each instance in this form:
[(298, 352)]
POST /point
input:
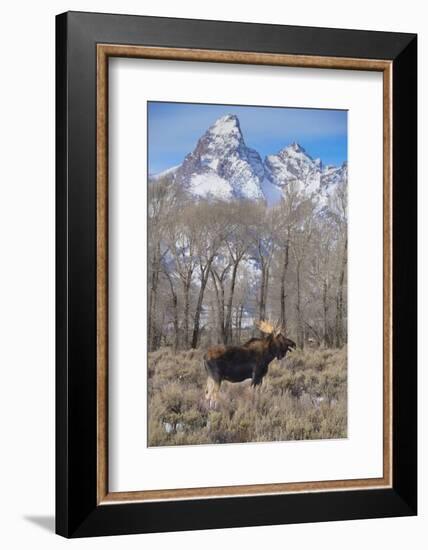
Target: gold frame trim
[(104, 51)]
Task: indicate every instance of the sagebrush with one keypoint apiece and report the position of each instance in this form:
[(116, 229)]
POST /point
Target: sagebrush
[(302, 397)]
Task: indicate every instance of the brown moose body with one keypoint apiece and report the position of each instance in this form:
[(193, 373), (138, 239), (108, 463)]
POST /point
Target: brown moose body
[(249, 361)]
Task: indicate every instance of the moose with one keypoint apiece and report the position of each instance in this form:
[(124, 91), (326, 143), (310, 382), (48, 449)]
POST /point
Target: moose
[(251, 360)]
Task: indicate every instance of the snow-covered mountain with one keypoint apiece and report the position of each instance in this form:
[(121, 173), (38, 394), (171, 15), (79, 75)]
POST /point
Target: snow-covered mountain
[(334, 175), (223, 166), (293, 165)]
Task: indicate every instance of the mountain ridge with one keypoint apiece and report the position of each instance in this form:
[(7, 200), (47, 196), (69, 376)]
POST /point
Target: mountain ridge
[(222, 166)]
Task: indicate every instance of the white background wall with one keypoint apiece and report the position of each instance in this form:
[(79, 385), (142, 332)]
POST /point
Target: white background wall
[(27, 272)]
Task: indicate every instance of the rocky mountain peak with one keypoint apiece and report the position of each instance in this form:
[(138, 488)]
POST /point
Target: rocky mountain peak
[(296, 147), (225, 126), (222, 166), (294, 150)]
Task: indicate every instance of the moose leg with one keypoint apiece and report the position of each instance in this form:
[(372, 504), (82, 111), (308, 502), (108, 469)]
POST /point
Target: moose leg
[(216, 392), (209, 389), (211, 393), (213, 383), (256, 380), (256, 384)]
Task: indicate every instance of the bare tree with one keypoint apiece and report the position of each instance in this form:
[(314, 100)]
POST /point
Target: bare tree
[(182, 241), (169, 277), (219, 274), (300, 246), (161, 202), (321, 273), (339, 296), (220, 264), (288, 214), (213, 229), (263, 234), (339, 206), (242, 216)]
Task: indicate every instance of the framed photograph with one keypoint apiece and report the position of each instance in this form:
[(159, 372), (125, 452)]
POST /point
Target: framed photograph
[(236, 274)]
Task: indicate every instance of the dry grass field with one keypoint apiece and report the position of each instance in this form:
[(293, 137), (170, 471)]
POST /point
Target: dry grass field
[(302, 397)]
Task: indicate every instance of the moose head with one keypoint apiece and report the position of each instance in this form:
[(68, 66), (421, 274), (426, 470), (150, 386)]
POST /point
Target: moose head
[(278, 344)]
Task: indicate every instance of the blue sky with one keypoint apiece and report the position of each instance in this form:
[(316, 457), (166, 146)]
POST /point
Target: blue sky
[(174, 129)]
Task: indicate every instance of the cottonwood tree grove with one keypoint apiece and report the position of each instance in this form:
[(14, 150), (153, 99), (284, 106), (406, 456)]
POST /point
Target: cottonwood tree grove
[(217, 266)]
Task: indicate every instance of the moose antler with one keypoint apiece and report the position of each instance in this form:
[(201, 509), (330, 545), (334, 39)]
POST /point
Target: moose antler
[(265, 327), (279, 327)]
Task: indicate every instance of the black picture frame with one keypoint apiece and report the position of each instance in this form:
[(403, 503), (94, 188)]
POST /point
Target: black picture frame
[(77, 511)]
